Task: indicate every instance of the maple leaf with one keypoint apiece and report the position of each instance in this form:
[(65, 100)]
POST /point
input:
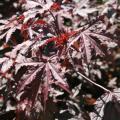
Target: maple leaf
[(41, 75), (10, 25), (89, 42), (101, 102)]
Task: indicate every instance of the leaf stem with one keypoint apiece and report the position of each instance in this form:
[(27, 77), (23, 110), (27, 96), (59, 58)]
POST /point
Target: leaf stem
[(56, 24), (92, 22), (88, 79)]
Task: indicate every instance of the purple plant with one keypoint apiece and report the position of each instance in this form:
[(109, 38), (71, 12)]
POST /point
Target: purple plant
[(56, 38)]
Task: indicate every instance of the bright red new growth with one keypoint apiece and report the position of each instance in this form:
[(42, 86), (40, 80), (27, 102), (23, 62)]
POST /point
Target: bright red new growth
[(55, 7), (40, 22), (21, 18), (24, 27), (62, 38)]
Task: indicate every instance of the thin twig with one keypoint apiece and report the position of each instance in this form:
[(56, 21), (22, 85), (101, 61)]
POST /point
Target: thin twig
[(105, 89), (56, 24), (89, 80), (92, 22)]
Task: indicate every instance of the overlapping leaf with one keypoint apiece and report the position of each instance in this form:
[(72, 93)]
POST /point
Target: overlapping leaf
[(35, 64), (100, 104), (89, 43), (44, 74)]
